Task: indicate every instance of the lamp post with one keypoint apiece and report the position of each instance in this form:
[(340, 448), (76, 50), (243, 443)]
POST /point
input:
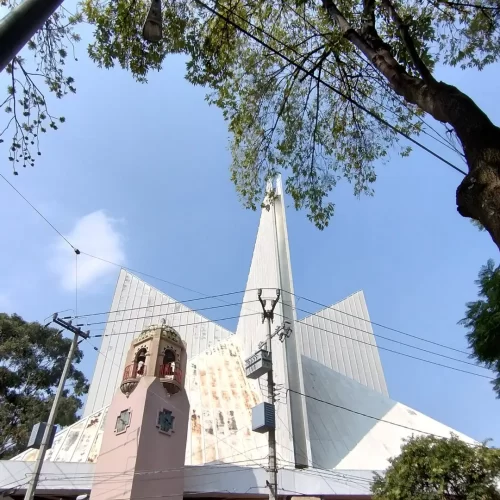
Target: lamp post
[(20, 24), (152, 29)]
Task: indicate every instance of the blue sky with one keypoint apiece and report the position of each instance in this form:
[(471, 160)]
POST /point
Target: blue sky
[(139, 175)]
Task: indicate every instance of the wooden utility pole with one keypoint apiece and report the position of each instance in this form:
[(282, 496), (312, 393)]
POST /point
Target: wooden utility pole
[(30, 491)]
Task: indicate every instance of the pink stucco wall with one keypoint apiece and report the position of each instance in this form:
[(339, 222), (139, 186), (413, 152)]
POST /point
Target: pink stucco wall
[(142, 462)]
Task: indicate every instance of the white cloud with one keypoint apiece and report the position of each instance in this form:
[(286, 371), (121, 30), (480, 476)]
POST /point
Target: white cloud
[(96, 234)]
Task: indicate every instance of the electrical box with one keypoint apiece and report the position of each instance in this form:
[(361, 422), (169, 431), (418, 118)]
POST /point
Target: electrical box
[(258, 364), (263, 418), (35, 439)]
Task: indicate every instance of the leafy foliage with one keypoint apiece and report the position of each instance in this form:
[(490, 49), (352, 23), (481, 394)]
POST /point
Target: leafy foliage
[(27, 113), (32, 358), (482, 319), (431, 468), (281, 118), (297, 94)]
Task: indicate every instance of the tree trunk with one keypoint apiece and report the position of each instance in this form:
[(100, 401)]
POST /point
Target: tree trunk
[(478, 195)]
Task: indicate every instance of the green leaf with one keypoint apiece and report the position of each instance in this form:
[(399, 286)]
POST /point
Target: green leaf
[(32, 362)]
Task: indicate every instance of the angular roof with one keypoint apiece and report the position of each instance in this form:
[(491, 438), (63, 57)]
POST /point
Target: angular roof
[(341, 337), (354, 427)]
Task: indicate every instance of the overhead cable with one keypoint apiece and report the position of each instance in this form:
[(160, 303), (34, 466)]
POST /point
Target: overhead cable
[(187, 301), (397, 352), (366, 415), (388, 339), (378, 324), (178, 326), (164, 315)]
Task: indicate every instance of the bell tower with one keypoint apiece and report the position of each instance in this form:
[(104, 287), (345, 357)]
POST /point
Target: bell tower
[(144, 441)]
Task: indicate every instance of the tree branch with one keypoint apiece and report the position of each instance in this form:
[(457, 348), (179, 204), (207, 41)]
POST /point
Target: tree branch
[(317, 65), (471, 5), (403, 28), (348, 31)]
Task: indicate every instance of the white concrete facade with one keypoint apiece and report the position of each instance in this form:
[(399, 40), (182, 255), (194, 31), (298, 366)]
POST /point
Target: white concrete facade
[(335, 419)]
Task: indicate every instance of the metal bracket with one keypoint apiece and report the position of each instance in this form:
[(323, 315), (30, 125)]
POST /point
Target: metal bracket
[(268, 313)]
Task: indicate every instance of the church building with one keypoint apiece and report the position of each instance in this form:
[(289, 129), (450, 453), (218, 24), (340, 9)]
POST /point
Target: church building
[(171, 408)]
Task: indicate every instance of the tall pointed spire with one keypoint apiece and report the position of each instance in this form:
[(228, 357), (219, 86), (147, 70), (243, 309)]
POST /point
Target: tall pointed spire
[(270, 270)]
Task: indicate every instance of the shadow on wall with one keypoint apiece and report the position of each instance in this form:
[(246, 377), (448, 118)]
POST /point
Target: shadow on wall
[(335, 432)]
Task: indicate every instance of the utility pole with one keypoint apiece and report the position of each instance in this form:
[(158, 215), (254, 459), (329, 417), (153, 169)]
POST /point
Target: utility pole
[(273, 469), (30, 491), (20, 24)]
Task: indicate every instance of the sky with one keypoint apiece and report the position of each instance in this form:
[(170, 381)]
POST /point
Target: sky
[(139, 175)]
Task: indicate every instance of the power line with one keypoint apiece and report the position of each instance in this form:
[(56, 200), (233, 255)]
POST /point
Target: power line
[(398, 352), (39, 213), (207, 296), (108, 476), (379, 324), (145, 274), (154, 277), (299, 309), (331, 474), (78, 252), (178, 326), (319, 80), (389, 339), (164, 315), (369, 416), (187, 301), (321, 329)]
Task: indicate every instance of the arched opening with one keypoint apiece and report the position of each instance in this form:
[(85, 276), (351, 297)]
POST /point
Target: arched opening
[(168, 363), (168, 356), (140, 361)]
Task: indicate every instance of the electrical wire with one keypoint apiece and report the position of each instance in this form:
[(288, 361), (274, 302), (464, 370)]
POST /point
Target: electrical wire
[(178, 326), (397, 352), (362, 414), (195, 291), (94, 256), (330, 332), (283, 290), (38, 212), (319, 80), (164, 315), (377, 324), (76, 283), (389, 339), (109, 476), (192, 494), (206, 296), (187, 301)]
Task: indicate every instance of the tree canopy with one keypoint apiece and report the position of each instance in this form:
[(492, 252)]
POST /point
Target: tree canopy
[(324, 90), (432, 468), (482, 319), (32, 358)]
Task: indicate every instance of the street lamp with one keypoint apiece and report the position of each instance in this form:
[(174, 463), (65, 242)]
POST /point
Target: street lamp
[(152, 29)]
